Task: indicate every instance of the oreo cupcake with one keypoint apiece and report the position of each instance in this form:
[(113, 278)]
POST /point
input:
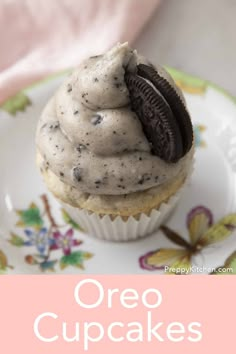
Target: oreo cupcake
[(115, 145)]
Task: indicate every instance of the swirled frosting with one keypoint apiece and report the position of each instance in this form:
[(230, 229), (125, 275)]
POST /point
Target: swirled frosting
[(89, 137)]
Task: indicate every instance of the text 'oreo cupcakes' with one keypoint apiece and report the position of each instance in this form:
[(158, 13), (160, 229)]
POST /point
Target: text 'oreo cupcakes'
[(115, 145)]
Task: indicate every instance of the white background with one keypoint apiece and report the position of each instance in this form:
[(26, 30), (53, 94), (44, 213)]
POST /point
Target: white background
[(196, 36)]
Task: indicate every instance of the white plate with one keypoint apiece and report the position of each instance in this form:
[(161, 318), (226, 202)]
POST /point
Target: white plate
[(29, 246)]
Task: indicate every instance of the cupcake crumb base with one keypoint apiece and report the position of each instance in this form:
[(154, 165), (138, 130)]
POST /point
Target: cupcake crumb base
[(118, 229)]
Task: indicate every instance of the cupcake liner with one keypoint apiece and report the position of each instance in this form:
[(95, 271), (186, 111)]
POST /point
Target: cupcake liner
[(118, 229)]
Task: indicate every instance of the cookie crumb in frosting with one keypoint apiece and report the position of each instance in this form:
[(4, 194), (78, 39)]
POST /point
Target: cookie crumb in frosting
[(96, 119), (80, 147), (77, 174), (69, 88)]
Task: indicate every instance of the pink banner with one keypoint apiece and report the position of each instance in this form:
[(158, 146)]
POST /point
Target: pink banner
[(111, 314)]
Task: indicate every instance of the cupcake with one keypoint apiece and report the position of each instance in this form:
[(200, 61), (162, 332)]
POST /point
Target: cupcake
[(115, 145)]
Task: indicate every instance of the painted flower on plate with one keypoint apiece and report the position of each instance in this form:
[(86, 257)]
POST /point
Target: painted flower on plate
[(38, 239), (65, 241)]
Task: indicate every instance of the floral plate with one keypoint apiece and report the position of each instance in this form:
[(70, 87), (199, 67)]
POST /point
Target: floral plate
[(37, 236)]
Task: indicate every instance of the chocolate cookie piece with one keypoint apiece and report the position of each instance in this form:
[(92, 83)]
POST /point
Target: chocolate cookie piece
[(171, 96), (77, 174), (158, 121)]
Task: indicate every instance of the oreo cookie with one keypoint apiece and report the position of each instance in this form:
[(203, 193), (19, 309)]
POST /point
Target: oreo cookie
[(165, 120)]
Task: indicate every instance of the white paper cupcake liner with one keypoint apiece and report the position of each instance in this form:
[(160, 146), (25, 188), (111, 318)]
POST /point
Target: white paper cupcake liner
[(118, 229), (105, 228)]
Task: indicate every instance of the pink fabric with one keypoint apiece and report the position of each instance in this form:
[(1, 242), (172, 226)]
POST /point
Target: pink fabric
[(42, 37)]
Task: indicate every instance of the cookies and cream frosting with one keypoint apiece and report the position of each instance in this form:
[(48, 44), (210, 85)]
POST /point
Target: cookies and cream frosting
[(89, 137)]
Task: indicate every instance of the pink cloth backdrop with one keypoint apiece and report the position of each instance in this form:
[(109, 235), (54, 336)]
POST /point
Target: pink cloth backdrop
[(38, 38)]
